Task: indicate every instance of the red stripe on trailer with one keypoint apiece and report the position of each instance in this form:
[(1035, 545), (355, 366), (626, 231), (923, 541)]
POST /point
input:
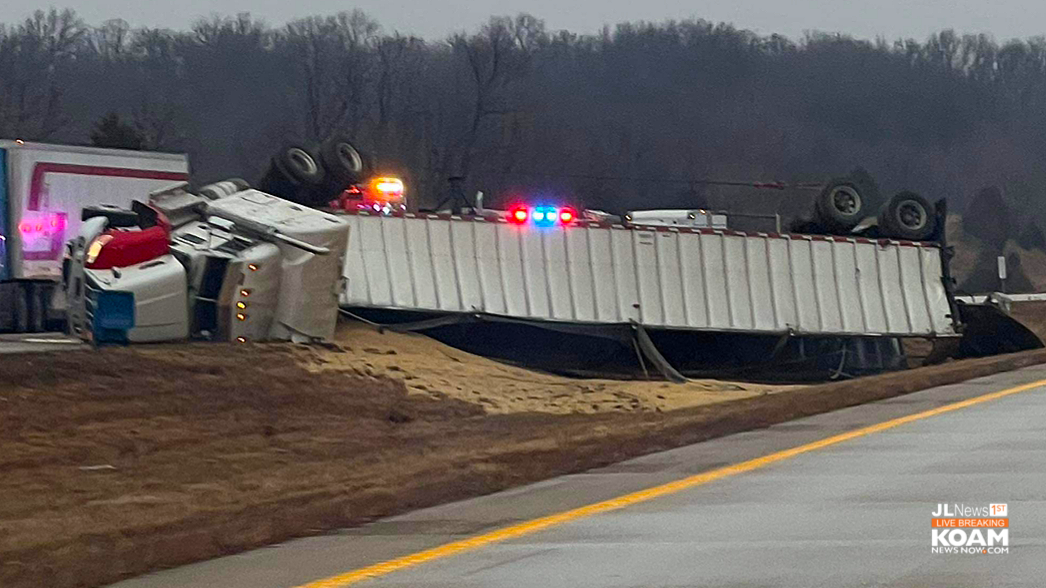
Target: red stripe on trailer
[(38, 189), (37, 186)]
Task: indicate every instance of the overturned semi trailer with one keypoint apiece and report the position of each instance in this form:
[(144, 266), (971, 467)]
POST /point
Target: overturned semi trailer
[(583, 296)]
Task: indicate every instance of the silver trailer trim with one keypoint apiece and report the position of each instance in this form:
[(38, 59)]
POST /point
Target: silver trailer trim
[(672, 278)]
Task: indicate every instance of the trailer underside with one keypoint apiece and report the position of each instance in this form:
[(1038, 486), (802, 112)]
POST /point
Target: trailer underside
[(632, 350)]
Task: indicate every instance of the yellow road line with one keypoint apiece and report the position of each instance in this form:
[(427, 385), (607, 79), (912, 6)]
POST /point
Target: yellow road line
[(532, 526)]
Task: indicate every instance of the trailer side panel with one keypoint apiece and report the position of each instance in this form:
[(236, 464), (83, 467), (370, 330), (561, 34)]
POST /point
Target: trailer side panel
[(671, 278)]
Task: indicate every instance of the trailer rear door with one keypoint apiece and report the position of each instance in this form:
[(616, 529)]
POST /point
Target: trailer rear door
[(48, 185)]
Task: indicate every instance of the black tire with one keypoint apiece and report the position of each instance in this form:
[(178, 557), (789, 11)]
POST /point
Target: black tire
[(870, 194), (907, 216), (344, 162), (299, 166), (839, 206), (293, 174)]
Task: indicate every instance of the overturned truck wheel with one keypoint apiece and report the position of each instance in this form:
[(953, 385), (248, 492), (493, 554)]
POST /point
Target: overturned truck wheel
[(839, 206), (345, 164), (294, 174), (907, 216)]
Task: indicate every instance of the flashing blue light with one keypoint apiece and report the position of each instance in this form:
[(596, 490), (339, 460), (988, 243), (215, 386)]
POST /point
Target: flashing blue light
[(544, 216)]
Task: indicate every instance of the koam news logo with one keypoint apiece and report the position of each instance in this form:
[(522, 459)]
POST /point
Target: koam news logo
[(965, 529)]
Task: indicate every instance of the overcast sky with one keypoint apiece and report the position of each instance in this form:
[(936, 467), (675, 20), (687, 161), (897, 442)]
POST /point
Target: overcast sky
[(436, 18)]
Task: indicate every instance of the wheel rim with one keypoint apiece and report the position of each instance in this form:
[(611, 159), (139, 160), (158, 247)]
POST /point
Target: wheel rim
[(846, 200), (350, 157), (911, 214), (302, 160)]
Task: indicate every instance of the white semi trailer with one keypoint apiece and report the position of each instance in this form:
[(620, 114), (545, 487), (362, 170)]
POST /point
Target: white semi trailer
[(43, 189), (662, 277), (702, 299)]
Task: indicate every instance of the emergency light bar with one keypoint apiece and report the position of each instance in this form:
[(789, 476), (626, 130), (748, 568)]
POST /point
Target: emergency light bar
[(542, 216), (387, 187)]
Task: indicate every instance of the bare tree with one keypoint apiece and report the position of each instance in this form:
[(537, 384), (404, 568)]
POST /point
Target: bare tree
[(333, 57), (496, 58), (519, 108), (112, 40), (34, 56), (159, 88)]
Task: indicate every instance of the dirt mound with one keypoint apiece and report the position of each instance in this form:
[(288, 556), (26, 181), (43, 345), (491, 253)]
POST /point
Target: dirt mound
[(432, 369)]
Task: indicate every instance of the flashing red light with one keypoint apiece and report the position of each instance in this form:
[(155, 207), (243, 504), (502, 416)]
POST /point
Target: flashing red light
[(518, 215), (567, 215), (37, 224)]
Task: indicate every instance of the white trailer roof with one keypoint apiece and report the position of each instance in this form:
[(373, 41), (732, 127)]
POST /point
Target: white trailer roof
[(29, 145)]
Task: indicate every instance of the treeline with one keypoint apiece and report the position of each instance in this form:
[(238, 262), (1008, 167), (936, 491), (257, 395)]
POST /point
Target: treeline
[(611, 120)]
